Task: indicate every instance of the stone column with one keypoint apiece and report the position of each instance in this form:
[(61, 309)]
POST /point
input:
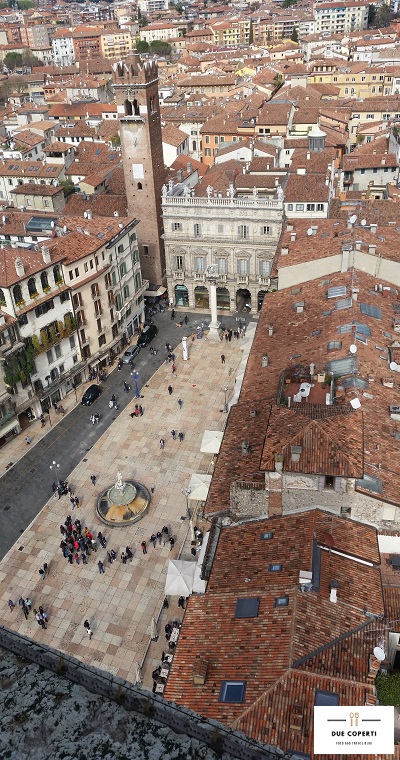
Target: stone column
[(214, 324)]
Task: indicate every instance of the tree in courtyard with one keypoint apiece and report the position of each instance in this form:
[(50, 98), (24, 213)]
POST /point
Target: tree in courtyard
[(159, 47), (294, 36), (12, 60)]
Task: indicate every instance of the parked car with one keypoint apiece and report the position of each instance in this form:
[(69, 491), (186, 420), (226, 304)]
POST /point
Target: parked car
[(130, 354), (90, 395), (147, 335)]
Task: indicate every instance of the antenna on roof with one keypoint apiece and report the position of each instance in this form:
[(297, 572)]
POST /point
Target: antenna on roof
[(353, 219), (379, 653), (309, 231), (353, 349), (363, 222)]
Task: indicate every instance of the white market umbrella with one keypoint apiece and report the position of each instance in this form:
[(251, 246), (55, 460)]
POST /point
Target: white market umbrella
[(199, 486), (211, 442), (180, 577)]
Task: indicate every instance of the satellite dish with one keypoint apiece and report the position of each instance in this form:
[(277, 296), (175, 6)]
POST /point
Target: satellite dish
[(353, 349), (393, 366), (379, 653), (309, 231), (353, 219), (363, 222)]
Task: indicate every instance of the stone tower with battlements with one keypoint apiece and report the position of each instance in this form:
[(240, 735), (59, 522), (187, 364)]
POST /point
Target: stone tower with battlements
[(135, 84)]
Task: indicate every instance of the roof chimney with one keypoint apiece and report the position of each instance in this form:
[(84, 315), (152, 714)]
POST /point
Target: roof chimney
[(295, 453), (19, 267), (89, 213), (46, 254), (292, 237), (372, 248), (308, 155), (373, 228), (334, 585), (200, 667)]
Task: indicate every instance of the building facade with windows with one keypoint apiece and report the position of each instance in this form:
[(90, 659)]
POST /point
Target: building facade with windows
[(41, 354), (102, 269), (239, 235)]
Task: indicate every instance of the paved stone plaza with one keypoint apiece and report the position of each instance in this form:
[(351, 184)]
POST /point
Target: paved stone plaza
[(121, 603)]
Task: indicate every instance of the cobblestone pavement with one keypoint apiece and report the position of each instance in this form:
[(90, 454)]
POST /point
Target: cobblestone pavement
[(121, 603)]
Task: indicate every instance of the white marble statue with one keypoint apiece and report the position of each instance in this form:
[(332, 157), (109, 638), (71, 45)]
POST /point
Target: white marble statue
[(209, 191), (279, 193)]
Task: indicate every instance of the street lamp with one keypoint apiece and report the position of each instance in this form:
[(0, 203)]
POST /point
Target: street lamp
[(225, 390), (56, 468), (186, 492), (135, 376)]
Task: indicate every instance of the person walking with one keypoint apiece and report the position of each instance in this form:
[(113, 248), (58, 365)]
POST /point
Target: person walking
[(185, 319), (28, 439), (153, 539), (42, 573), (39, 619), (88, 629), (43, 614), (123, 558), (28, 603), (170, 390), (100, 566), (180, 436), (159, 536), (93, 479), (46, 568), (222, 358), (171, 543), (173, 433), (144, 547), (180, 403), (172, 315), (72, 500), (102, 541), (181, 602), (173, 369), (84, 558), (162, 443), (77, 502), (113, 555), (128, 553)]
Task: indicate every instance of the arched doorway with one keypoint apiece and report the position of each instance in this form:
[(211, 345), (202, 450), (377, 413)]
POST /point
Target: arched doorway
[(223, 298), (181, 295), (260, 297), (243, 300), (201, 299)]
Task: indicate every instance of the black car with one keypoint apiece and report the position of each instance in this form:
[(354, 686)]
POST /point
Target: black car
[(90, 395), (149, 332)]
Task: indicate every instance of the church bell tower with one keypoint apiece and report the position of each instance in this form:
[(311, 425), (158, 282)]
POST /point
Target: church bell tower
[(135, 84)]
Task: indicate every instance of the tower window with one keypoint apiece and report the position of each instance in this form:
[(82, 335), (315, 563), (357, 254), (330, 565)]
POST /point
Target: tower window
[(139, 186), (128, 107)]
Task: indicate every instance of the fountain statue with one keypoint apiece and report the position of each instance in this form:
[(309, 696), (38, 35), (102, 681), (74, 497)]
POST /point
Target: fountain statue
[(119, 485)]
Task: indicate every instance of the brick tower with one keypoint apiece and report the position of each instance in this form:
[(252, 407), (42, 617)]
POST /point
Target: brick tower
[(135, 84)]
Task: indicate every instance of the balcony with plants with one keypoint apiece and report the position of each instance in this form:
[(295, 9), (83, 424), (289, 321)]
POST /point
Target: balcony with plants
[(52, 334)]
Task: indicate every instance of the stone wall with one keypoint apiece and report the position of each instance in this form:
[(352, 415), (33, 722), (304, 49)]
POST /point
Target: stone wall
[(215, 735), (248, 503)]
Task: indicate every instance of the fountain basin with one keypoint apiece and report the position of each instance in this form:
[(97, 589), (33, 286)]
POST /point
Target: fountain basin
[(117, 507)]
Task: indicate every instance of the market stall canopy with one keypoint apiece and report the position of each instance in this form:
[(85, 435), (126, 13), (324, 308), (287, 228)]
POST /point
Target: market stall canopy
[(199, 486), (180, 577), (211, 442)]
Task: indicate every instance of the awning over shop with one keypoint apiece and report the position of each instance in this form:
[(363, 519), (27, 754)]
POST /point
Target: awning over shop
[(154, 293)]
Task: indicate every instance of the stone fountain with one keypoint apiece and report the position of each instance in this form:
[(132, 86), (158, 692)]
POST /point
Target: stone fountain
[(123, 503)]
